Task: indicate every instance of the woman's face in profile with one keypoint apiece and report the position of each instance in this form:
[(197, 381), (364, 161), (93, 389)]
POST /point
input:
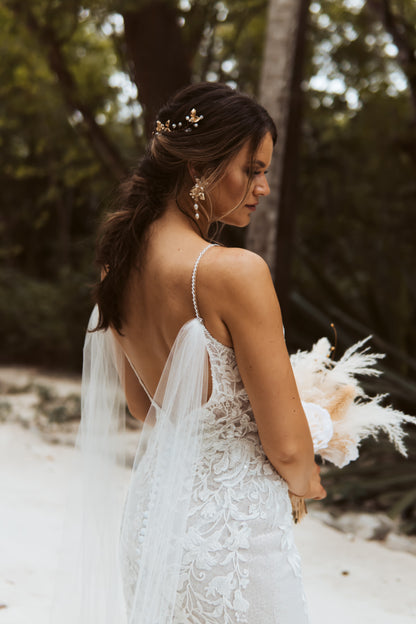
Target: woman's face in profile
[(236, 196)]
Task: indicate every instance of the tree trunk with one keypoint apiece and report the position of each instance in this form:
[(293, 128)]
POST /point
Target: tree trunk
[(161, 60), (271, 231)]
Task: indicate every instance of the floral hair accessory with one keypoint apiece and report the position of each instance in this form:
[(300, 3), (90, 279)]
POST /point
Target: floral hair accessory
[(161, 127), (191, 121)]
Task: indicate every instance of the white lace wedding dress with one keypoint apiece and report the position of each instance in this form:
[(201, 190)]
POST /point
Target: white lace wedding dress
[(235, 560), (204, 533)]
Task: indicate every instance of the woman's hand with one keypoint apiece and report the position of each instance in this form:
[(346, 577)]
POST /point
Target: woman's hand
[(315, 491)]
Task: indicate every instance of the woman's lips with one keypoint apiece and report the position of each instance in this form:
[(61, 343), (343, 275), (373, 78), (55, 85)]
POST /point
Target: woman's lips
[(251, 206)]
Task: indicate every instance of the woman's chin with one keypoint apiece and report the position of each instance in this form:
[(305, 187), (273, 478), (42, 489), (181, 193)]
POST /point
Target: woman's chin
[(240, 222)]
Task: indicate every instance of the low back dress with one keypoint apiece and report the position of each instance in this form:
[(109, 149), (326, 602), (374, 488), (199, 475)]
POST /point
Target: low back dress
[(234, 561)]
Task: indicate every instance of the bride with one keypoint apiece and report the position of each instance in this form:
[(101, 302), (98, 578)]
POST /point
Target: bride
[(193, 333)]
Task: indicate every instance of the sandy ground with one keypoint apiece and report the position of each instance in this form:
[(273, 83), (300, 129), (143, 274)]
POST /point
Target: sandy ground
[(347, 580)]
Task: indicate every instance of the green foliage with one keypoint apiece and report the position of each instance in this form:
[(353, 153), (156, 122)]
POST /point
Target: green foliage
[(43, 322), (354, 249), (231, 47), (51, 182)]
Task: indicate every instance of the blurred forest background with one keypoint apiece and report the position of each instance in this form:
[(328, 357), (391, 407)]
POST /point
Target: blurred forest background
[(80, 83)]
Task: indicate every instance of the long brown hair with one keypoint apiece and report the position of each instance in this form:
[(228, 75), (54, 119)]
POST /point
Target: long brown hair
[(230, 119)]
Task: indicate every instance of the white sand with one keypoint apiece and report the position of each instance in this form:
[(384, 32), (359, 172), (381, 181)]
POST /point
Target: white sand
[(380, 586)]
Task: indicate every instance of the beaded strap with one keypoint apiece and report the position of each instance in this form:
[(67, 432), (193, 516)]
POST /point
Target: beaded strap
[(193, 283)]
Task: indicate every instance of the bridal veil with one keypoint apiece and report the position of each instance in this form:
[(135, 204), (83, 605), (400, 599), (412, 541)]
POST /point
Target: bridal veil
[(122, 544)]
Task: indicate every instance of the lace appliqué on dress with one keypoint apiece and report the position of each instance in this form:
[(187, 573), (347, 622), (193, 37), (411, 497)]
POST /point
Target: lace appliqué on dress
[(236, 491)]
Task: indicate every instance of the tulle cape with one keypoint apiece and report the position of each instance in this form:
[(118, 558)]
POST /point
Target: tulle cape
[(123, 544)]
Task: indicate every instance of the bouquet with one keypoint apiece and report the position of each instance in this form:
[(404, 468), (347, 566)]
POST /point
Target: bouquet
[(339, 412)]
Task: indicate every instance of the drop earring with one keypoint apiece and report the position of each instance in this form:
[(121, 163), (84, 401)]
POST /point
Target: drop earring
[(197, 192)]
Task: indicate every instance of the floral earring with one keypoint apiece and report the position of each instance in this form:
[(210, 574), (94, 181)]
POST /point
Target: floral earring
[(197, 192)]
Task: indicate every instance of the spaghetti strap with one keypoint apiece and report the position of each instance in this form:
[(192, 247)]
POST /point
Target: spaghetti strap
[(139, 379), (193, 284)]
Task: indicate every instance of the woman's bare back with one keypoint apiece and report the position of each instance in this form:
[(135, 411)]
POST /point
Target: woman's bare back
[(158, 299)]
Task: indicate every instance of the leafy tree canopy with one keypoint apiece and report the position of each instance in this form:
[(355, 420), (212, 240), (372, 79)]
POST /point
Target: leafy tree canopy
[(74, 115)]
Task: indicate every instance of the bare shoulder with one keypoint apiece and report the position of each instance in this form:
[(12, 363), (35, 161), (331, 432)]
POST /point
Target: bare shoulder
[(234, 267), (238, 275), (234, 259), (235, 291)]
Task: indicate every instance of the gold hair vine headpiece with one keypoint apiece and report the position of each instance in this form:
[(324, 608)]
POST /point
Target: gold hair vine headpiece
[(191, 121), (161, 127)]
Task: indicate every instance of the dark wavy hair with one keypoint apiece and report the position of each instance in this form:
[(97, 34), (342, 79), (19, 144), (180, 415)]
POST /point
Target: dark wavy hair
[(230, 120)]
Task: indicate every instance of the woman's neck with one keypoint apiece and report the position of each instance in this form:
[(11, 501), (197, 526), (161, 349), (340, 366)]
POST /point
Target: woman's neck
[(177, 218)]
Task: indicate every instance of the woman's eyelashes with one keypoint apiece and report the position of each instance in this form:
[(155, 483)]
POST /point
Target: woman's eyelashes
[(256, 173)]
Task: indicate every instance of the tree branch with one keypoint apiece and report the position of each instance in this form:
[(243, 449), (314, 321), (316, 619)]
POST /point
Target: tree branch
[(106, 152), (400, 30)]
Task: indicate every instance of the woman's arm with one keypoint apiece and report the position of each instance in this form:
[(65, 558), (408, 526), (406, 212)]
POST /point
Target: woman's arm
[(250, 310)]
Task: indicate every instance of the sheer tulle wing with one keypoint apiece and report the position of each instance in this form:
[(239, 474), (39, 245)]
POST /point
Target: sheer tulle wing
[(88, 569), (123, 566), (157, 505)]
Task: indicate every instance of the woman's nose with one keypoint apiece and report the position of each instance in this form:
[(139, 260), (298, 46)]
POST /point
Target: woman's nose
[(262, 187)]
